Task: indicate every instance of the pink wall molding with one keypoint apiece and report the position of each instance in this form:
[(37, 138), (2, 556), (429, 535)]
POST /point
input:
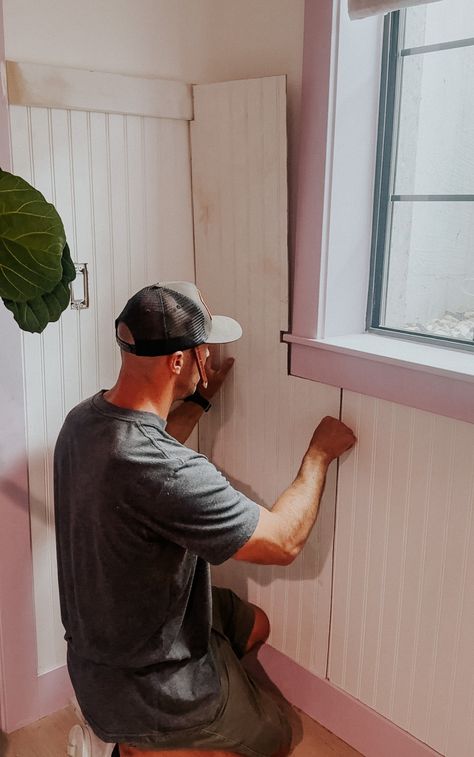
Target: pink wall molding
[(348, 718)]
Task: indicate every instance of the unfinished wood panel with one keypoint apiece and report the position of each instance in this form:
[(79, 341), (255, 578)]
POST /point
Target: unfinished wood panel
[(122, 187), (261, 424), (39, 85), (403, 615)]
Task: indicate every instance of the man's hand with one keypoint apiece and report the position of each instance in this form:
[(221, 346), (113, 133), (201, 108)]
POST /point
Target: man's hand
[(215, 377), (330, 440)]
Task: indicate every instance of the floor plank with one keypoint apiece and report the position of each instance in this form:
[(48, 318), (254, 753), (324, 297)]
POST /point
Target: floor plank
[(319, 742), (47, 738)]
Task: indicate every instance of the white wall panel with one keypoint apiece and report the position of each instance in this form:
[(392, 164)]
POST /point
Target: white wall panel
[(122, 186), (259, 427), (403, 613)]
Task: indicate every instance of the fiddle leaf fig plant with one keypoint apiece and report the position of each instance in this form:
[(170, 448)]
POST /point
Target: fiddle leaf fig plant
[(35, 262), (35, 314)]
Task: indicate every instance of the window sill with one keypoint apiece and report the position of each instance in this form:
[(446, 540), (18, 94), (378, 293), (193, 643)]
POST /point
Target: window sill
[(439, 380)]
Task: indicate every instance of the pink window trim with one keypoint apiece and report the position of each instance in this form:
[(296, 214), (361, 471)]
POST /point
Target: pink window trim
[(405, 386), (311, 165), (452, 397)]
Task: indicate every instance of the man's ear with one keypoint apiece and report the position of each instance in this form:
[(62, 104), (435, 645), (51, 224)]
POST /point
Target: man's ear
[(176, 362)]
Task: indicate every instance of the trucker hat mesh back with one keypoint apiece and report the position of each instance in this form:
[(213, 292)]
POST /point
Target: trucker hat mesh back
[(162, 320)]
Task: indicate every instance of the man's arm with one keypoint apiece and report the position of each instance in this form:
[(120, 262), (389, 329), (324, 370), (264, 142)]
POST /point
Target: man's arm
[(183, 418), (282, 531)]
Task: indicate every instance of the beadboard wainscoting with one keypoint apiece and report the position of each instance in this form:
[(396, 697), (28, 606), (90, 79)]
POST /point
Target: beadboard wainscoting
[(121, 184), (403, 612)]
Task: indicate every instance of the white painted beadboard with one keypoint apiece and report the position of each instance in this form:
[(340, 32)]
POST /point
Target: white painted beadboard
[(402, 632), (122, 187), (262, 421)]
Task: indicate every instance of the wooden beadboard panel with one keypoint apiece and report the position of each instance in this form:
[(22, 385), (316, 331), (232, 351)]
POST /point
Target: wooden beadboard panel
[(296, 598), (260, 425), (122, 187), (403, 613)]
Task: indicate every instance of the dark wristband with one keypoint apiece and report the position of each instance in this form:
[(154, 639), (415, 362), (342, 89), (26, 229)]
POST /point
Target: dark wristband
[(199, 400)]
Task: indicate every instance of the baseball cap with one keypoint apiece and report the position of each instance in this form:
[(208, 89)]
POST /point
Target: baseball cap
[(170, 316)]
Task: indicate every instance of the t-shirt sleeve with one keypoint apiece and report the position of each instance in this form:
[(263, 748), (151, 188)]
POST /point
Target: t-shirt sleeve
[(200, 510)]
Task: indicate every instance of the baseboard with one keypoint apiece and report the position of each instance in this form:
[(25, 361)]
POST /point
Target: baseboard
[(49, 693), (339, 712), (348, 718), (55, 691)]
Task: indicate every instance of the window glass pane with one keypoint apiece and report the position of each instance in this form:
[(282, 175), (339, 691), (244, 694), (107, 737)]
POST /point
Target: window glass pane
[(440, 22), (430, 286), (436, 126)]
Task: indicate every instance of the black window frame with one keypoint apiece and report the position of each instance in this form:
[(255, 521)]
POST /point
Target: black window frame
[(388, 123)]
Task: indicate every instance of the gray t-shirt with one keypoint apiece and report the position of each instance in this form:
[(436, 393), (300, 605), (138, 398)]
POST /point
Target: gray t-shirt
[(139, 517)]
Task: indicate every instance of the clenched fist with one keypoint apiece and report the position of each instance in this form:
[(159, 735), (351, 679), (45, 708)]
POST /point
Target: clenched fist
[(331, 439)]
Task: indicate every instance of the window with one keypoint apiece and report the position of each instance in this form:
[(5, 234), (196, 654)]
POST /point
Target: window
[(330, 339), (422, 275)]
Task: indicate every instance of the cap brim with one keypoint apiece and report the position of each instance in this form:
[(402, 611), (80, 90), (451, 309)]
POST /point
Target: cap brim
[(224, 330)]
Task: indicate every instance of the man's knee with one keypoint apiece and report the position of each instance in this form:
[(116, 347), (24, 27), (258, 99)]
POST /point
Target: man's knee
[(286, 738), (261, 629)]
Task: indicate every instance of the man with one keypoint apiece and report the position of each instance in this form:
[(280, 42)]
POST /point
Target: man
[(153, 653)]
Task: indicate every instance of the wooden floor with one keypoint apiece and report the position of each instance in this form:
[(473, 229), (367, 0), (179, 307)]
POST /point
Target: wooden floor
[(47, 738)]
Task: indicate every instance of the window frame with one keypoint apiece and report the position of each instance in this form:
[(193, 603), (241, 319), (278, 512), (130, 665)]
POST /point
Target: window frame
[(329, 341), (388, 125), (384, 169)]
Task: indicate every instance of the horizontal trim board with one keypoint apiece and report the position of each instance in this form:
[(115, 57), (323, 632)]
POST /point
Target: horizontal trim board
[(348, 718), (367, 374), (432, 198), (454, 364), (435, 48), (76, 89)]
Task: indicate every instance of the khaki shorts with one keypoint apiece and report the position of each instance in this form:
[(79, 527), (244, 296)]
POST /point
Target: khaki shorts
[(250, 720)]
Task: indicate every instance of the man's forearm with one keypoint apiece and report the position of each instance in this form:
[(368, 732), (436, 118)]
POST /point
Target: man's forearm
[(183, 419), (298, 506), (282, 532)]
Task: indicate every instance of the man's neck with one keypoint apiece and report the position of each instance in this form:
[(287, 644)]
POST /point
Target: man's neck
[(140, 398)]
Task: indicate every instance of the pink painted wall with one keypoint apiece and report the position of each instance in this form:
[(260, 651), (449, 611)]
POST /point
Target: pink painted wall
[(23, 696), (15, 579), (4, 132)]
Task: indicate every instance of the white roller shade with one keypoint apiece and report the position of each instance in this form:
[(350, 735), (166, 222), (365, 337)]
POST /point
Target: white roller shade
[(363, 8)]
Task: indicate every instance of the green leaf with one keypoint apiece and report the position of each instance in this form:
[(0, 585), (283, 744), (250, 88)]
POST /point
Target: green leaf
[(32, 240), (35, 314)]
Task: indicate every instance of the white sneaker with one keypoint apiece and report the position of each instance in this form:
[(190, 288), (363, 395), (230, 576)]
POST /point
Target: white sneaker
[(82, 742)]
